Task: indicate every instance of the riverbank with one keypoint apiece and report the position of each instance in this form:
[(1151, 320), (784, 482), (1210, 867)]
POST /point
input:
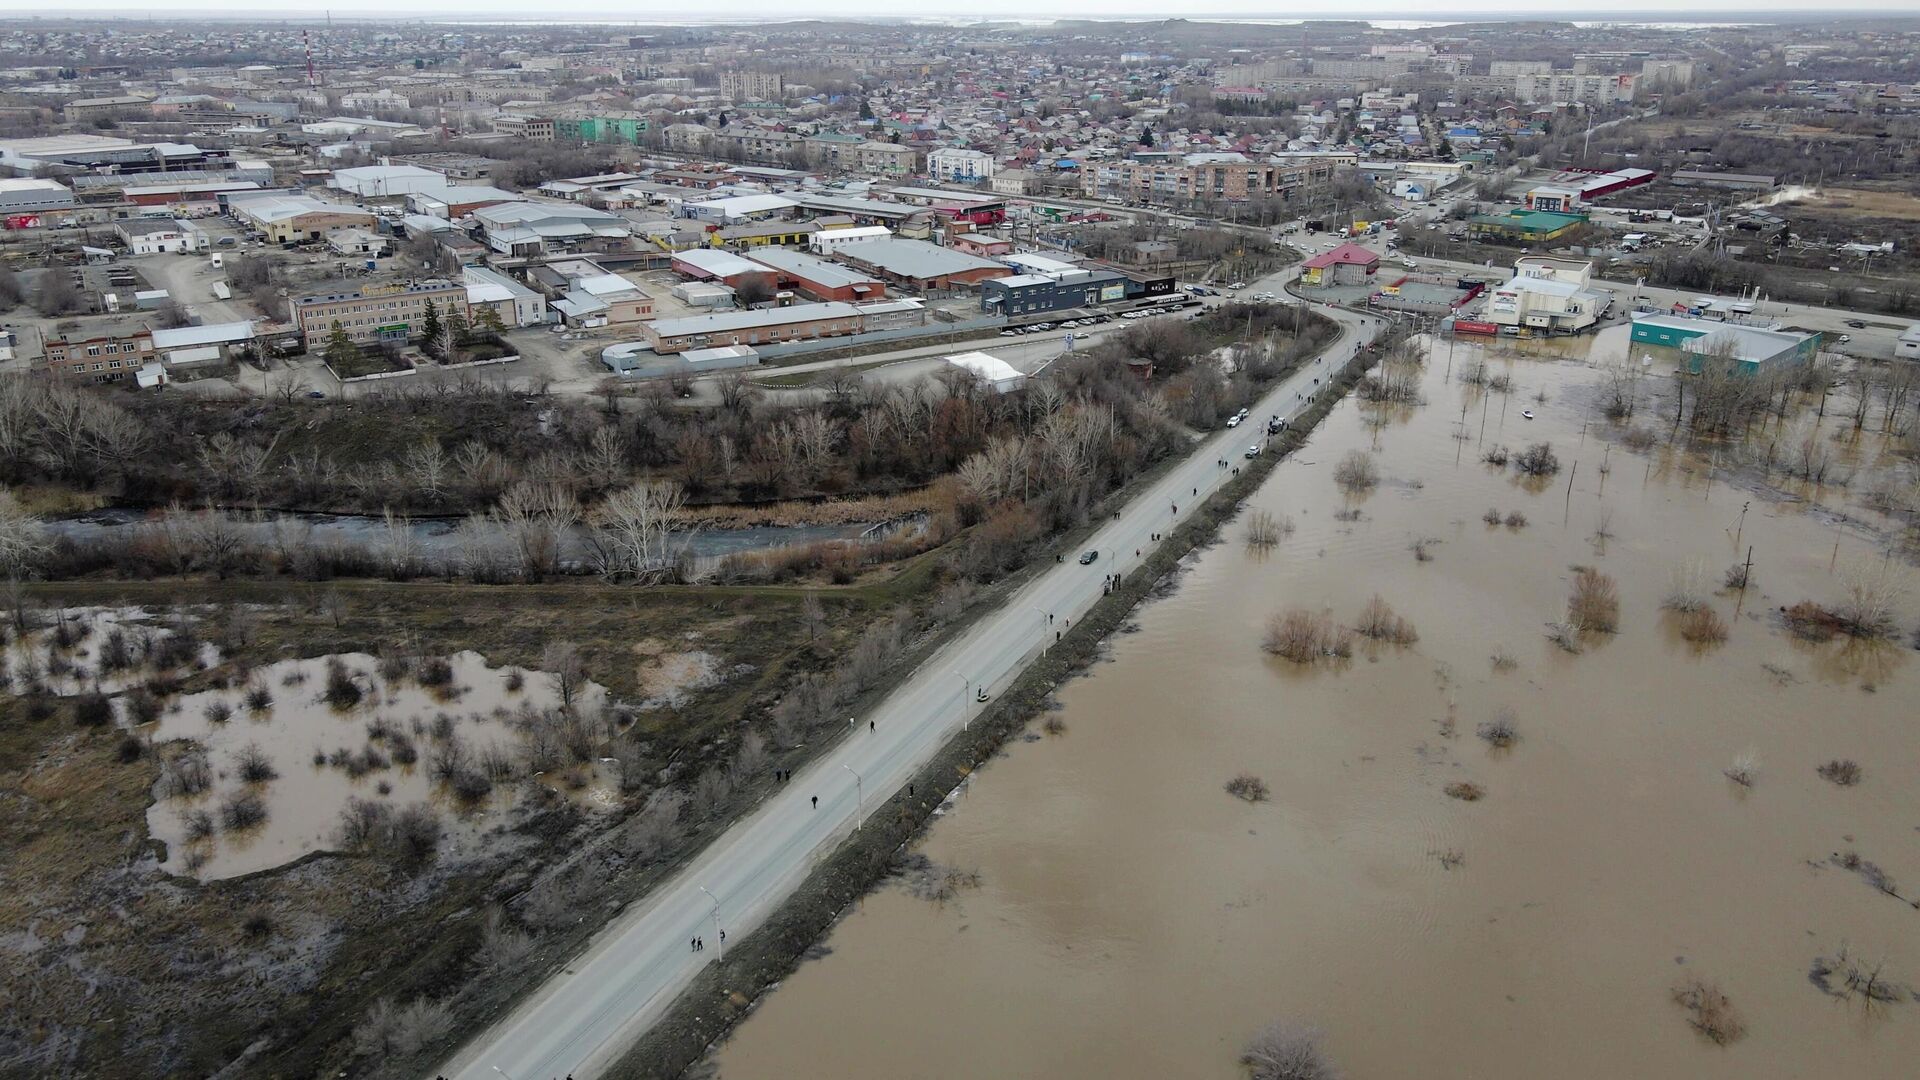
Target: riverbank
[(725, 992)]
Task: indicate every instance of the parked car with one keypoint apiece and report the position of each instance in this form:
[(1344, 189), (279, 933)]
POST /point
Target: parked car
[(1856, 324), (1237, 286), (1253, 451)]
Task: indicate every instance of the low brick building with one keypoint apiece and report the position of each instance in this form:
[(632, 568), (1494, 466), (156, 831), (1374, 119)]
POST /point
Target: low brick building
[(376, 314), (101, 357)]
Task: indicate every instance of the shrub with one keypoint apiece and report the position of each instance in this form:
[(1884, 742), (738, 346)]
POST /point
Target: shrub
[(1502, 660), (401, 1030), (254, 766), (258, 698), (1709, 1011), (1686, 591), (257, 926), (1265, 529), (1639, 438), (1703, 627), (130, 749), (1497, 455), (92, 710), (1840, 771), (436, 672), (342, 691), (1745, 768), (1738, 576), (1377, 621), (395, 667), (1595, 603), (1422, 548), (199, 825), (1516, 520), (1466, 791), (1303, 636), (1492, 516), (218, 711), (1356, 471), (143, 707), (1287, 1052), (1249, 787), (1537, 460), (1809, 621), (242, 810), (187, 774), (1502, 731)]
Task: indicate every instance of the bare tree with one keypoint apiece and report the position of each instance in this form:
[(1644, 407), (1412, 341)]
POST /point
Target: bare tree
[(23, 540), (562, 660), (537, 516), (635, 527)]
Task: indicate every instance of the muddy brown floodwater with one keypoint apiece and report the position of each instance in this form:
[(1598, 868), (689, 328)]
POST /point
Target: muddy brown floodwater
[(1134, 920)]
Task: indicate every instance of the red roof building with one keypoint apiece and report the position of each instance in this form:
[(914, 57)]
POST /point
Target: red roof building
[(1348, 264)]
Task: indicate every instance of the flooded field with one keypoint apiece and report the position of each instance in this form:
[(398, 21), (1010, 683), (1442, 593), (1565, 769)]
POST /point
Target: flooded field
[(445, 736), (1671, 805)]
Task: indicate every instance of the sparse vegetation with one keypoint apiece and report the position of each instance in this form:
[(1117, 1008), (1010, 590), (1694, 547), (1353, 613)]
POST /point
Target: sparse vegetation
[(1265, 528), (1516, 520), (1378, 621), (1594, 605), (1841, 772), (1845, 975), (1465, 791), (1249, 787), (1356, 472), (1745, 768), (1422, 548), (1286, 1051), (1687, 590), (1709, 1011), (1492, 516), (1497, 456), (1502, 731), (242, 810), (401, 1030), (1303, 636), (1537, 460), (254, 766), (1703, 627)]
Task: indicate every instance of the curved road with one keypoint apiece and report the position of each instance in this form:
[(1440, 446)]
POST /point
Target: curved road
[(580, 1022)]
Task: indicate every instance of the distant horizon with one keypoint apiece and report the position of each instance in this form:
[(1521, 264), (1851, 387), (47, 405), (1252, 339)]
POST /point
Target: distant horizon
[(747, 12)]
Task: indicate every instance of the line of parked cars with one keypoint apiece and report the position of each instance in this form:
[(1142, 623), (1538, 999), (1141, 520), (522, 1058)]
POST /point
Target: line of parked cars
[(1041, 328)]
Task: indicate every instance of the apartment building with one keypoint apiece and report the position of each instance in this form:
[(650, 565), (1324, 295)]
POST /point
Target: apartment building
[(101, 358), (1570, 88), (377, 314), (957, 166), (1199, 178), (531, 128), (752, 85)]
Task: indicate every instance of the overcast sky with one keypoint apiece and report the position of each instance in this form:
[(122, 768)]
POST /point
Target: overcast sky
[(562, 10)]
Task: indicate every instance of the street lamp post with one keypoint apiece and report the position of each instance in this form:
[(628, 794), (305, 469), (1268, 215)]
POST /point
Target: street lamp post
[(859, 795), (721, 934)]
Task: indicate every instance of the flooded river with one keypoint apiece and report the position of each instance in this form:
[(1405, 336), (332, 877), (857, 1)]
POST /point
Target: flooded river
[(1134, 920)]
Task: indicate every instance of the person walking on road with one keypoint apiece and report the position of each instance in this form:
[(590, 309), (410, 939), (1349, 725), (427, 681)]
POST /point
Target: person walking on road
[(816, 802), (873, 725)]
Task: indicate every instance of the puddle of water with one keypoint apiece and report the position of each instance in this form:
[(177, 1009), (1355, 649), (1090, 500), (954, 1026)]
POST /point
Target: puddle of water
[(83, 649), (323, 756), (1134, 920)]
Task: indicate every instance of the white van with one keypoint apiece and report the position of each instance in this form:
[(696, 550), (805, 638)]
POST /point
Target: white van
[(217, 262)]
